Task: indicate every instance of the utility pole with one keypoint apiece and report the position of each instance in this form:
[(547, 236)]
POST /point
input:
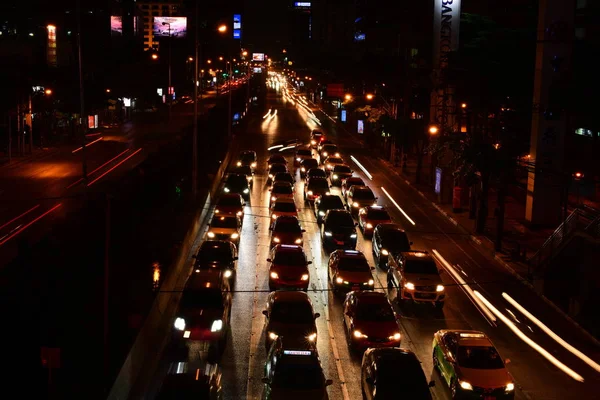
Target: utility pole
[(169, 88), (82, 120), (195, 133), (229, 121), (106, 280)]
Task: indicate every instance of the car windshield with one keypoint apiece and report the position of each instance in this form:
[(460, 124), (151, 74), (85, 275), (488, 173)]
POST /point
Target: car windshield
[(318, 184), (378, 214), (342, 169), (284, 176), (282, 189), (277, 159), (315, 172), (224, 222), (421, 267), (334, 160), (284, 207), (292, 312), (211, 253), (304, 153), (353, 264), (374, 312), (352, 182), (298, 376), (244, 169), (247, 157), (294, 258), (229, 202), (331, 203), (341, 219), (395, 241), (237, 181), (479, 357), (286, 226), (203, 298), (275, 168), (412, 379), (330, 148), (365, 194), (310, 163)]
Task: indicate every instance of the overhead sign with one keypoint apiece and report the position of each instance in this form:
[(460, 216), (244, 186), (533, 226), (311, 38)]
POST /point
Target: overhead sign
[(237, 34), (237, 26), (335, 90), (258, 56), (302, 4)]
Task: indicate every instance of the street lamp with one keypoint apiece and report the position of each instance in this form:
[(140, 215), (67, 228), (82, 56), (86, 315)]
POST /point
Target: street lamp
[(222, 28), (154, 56), (169, 88), (369, 96), (48, 91), (348, 97), (433, 130)]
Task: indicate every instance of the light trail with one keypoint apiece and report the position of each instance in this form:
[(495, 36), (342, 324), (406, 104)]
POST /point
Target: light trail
[(362, 168), (550, 333), (277, 146), (267, 114), (115, 166), (21, 229), (88, 145), (91, 173), (398, 206), (529, 341), (20, 216)]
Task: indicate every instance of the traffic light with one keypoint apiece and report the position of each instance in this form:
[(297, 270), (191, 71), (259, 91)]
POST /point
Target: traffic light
[(236, 71)]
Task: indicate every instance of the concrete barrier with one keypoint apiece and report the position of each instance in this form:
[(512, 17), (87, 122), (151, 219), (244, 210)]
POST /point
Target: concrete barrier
[(145, 353)]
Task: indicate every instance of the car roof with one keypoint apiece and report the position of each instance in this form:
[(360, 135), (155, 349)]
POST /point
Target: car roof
[(284, 200), (381, 208), (361, 188), (389, 227), (276, 157), (282, 183), (289, 296), (341, 165), (417, 255), (393, 353), (330, 196), (205, 279), (288, 248), (286, 219), (216, 243), (308, 159), (371, 297), (349, 253), (469, 337), (248, 152), (317, 179)]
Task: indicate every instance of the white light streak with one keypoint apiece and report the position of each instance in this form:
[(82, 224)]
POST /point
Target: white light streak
[(267, 114), (398, 206), (362, 168), (275, 147)]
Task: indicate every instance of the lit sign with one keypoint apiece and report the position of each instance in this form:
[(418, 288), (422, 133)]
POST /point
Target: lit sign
[(237, 21), (359, 37), (170, 27), (297, 352), (51, 48), (116, 25), (258, 56), (159, 91), (302, 4), (237, 34), (361, 126), (257, 70), (438, 180), (126, 101), (343, 115)]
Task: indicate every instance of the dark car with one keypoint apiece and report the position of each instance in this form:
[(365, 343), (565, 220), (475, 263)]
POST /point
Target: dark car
[(237, 183), (315, 173), (217, 255), (339, 173), (274, 170), (380, 378), (286, 230), (289, 314), (306, 165), (315, 138), (315, 187), (302, 153), (388, 239), (325, 203), (328, 150), (276, 159), (288, 268), (247, 158), (338, 230), (358, 197), (230, 203), (192, 385), (284, 177), (245, 170), (349, 182), (371, 216)]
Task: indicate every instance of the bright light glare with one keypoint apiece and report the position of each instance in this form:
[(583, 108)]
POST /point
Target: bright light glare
[(529, 341), (362, 168), (267, 114), (550, 333), (398, 206), (275, 147)]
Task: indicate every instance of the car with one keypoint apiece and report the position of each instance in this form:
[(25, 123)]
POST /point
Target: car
[(302, 153), (283, 206), (314, 173), (331, 162), (247, 158), (288, 268), (204, 311), (315, 138), (306, 165), (204, 384), (274, 170), (217, 255), (371, 216), (338, 230), (349, 270), (470, 365), (237, 183), (358, 197), (293, 371), (380, 379), (328, 150), (286, 230), (339, 173), (416, 278), (225, 227), (280, 190), (284, 177), (323, 143), (388, 239), (245, 170), (325, 203), (276, 159), (349, 182), (289, 314), (230, 203), (315, 187)]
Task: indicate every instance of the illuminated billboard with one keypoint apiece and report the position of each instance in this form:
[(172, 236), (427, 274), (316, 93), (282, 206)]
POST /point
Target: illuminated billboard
[(258, 56), (237, 21), (116, 25), (170, 26), (302, 4)]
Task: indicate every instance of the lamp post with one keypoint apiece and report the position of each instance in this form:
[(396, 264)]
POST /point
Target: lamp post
[(195, 132), (223, 29), (82, 120), (169, 88)]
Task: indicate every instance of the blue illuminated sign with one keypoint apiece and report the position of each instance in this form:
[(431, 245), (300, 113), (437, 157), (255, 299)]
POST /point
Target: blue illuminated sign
[(301, 4), (237, 26), (237, 34), (343, 115), (438, 180)]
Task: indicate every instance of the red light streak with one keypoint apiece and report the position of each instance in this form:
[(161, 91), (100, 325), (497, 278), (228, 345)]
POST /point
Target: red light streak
[(93, 134), (16, 218), (115, 166), (21, 229), (88, 145), (91, 173)]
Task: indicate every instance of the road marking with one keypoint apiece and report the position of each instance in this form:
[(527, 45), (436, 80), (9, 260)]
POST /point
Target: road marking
[(21, 229), (115, 166), (87, 145), (362, 168), (398, 206), (22, 215), (550, 333)]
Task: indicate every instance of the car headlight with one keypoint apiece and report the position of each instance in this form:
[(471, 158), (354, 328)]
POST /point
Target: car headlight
[(384, 252), (337, 154), (328, 234), (312, 337), (235, 235), (271, 176), (298, 241), (439, 288), (239, 213), (510, 387), (253, 165), (355, 204), (329, 166), (322, 213), (313, 142), (310, 193), (274, 216), (179, 324), (371, 282), (273, 198), (228, 273), (339, 280), (353, 236), (239, 163), (276, 239), (210, 235), (273, 335), (274, 275), (217, 325), (324, 154), (246, 191), (395, 336), (303, 169), (369, 225), (216, 211), (335, 176), (359, 334), (304, 277), (409, 286), (465, 385), (298, 159), (226, 190)]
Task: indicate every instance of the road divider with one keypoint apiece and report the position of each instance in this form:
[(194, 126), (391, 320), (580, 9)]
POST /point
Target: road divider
[(361, 167), (398, 206)]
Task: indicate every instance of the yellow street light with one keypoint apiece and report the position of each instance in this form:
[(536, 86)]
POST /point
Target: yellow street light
[(220, 58), (48, 91), (190, 58), (463, 105), (578, 175), (433, 130), (244, 53), (208, 61), (348, 96), (222, 28), (107, 90), (155, 56), (370, 96)]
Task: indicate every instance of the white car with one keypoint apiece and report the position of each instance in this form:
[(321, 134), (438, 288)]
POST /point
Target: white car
[(225, 227)]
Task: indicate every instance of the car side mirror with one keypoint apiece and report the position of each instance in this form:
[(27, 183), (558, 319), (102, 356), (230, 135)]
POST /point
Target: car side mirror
[(265, 381), (372, 268), (265, 313), (328, 382), (317, 315), (268, 260), (431, 384), (507, 361), (309, 262), (303, 230), (370, 380)]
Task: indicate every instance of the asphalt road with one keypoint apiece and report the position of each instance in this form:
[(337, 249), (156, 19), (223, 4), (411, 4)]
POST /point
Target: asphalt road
[(467, 270)]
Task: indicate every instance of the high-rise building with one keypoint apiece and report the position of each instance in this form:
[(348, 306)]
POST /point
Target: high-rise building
[(156, 8)]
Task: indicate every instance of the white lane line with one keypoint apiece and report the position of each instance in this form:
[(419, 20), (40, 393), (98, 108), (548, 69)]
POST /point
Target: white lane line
[(479, 305), (529, 341), (336, 356), (550, 333), (398, 206), (362, 168)]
